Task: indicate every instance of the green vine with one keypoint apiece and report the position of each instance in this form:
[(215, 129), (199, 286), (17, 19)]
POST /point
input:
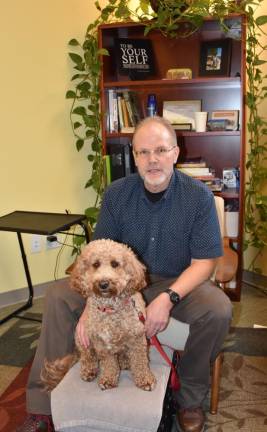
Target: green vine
[(173, 18), (255, 200)]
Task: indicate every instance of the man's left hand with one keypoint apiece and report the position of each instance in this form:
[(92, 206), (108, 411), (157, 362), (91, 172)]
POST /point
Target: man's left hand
[(158, 314)]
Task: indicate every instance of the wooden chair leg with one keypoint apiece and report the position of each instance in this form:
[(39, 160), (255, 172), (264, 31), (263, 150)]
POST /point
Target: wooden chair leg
[(215, 383)]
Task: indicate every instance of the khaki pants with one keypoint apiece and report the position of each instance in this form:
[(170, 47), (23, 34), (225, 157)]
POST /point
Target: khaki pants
[(207, 310)]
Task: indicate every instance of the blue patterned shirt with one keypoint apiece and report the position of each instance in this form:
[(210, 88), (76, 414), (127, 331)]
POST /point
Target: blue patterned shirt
[(165, 234)]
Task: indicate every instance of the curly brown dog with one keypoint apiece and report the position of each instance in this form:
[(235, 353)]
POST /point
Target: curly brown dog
[(109, 275)]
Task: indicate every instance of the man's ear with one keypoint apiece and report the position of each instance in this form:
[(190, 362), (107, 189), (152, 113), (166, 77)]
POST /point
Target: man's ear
[(176, 152), (135, 160)]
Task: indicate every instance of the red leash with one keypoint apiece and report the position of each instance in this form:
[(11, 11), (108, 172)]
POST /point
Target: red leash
[(175, 383)]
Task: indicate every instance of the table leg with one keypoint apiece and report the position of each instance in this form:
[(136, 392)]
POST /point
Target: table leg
[(84, 225), (28, 304)]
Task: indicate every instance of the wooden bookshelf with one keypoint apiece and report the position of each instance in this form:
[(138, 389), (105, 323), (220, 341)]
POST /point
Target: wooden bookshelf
[(220, 149)]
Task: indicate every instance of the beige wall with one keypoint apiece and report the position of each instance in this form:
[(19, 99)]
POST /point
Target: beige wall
[(40, 169)]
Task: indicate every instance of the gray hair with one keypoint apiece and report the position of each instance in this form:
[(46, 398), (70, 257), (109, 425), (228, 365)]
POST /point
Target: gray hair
[(160, 120)]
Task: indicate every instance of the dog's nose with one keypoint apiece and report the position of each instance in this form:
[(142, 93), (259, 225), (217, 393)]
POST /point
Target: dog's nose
[(103, 285)]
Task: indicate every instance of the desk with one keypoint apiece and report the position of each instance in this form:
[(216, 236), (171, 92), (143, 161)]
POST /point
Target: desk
[(37, 223)]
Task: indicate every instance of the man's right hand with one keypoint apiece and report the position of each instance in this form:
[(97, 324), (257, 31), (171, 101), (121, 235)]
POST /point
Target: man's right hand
[(81, 332)]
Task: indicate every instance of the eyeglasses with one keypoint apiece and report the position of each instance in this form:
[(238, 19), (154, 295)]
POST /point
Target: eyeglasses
[(159, 152)]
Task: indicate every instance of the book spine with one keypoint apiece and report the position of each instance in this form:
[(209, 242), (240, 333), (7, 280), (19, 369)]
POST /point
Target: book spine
[(129, 108), (125, 113), (110, 111), (107, 169), (196, 171), (121, 122), (135, 107), (115, 112)]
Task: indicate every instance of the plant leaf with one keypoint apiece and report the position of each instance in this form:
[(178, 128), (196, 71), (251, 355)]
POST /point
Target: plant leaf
[(70, 94), (79, 144), (73, 42)]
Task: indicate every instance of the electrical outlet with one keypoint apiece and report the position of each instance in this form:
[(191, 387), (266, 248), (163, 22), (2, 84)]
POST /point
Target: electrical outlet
[(52, 244), (36, 243)]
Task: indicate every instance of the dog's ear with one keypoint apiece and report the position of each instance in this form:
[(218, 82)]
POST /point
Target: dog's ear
[(136, 270), (78, 281)]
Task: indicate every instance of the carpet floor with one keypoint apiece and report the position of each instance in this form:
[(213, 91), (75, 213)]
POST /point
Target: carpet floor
[(243, 391)]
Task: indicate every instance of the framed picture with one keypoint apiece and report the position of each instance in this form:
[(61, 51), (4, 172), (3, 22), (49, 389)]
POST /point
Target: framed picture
[(134, 58), (181, 114), (230, 177), (230, 117), (215, 58)]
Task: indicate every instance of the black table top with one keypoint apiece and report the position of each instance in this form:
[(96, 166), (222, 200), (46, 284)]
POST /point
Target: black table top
[(38, 222)]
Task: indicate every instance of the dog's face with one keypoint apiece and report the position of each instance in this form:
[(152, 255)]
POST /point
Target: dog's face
[(106, 268)]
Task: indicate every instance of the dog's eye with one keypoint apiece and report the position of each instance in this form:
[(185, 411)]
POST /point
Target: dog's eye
[(114, 263), (96, 264)]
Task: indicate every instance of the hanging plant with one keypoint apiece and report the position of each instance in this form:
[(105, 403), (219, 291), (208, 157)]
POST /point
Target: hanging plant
[(172, 18)]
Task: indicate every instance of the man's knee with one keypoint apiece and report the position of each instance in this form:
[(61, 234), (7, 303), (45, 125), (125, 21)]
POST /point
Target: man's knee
[(221, 306), (59, 295)]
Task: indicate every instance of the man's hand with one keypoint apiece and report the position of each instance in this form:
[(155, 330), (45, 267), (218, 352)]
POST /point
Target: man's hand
[(81, 330), (158, 314)]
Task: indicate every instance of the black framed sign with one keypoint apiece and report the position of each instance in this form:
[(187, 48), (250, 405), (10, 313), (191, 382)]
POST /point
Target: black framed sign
[(135, 58), (215, 58)]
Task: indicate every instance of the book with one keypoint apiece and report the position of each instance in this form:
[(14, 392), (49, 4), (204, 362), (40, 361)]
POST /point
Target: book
[(192, 163), (136, 106), (196, 171), (125, 115), (120, 113), (134, 58), (129, 108), (216, 185), (129, 129), (107, 169), (112, 111)]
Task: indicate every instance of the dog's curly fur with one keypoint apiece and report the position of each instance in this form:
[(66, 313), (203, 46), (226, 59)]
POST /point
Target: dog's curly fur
[(109, 275)]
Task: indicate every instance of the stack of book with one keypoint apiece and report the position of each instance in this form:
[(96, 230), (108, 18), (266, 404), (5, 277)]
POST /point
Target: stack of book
[(198, 169), (123, 112)]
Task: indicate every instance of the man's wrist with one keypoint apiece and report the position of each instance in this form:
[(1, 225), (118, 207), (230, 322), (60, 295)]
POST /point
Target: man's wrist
[(173, 296)]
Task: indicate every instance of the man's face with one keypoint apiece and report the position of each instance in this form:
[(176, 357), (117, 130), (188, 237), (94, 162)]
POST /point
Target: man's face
[(155, 154)]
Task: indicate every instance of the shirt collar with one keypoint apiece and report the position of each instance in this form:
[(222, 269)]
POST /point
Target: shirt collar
[(167, 191)]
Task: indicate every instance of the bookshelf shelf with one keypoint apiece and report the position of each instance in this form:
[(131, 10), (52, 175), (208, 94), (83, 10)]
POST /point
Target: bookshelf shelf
[(217, 82), (182, 133), (219, 149), (232, 193)]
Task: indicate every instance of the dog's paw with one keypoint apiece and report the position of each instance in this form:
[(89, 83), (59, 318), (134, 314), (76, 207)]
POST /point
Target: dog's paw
[(88, 374), (146, 382), (106, 383)]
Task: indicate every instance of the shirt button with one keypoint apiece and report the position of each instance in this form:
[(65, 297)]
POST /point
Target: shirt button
[(152, 238)]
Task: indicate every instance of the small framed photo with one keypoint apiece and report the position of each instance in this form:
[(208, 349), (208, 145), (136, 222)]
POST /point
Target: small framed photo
[(217, 125), (230, 177), (181, 113), (230, 117), (215, 58)]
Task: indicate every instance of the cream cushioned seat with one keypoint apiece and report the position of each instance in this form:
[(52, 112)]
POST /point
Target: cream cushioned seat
[(79, 406)]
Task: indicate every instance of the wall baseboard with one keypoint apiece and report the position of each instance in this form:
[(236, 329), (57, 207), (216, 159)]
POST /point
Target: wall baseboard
[(21, 295), (254, 279)]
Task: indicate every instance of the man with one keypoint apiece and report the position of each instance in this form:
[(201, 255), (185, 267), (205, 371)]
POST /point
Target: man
[(170, 221)]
